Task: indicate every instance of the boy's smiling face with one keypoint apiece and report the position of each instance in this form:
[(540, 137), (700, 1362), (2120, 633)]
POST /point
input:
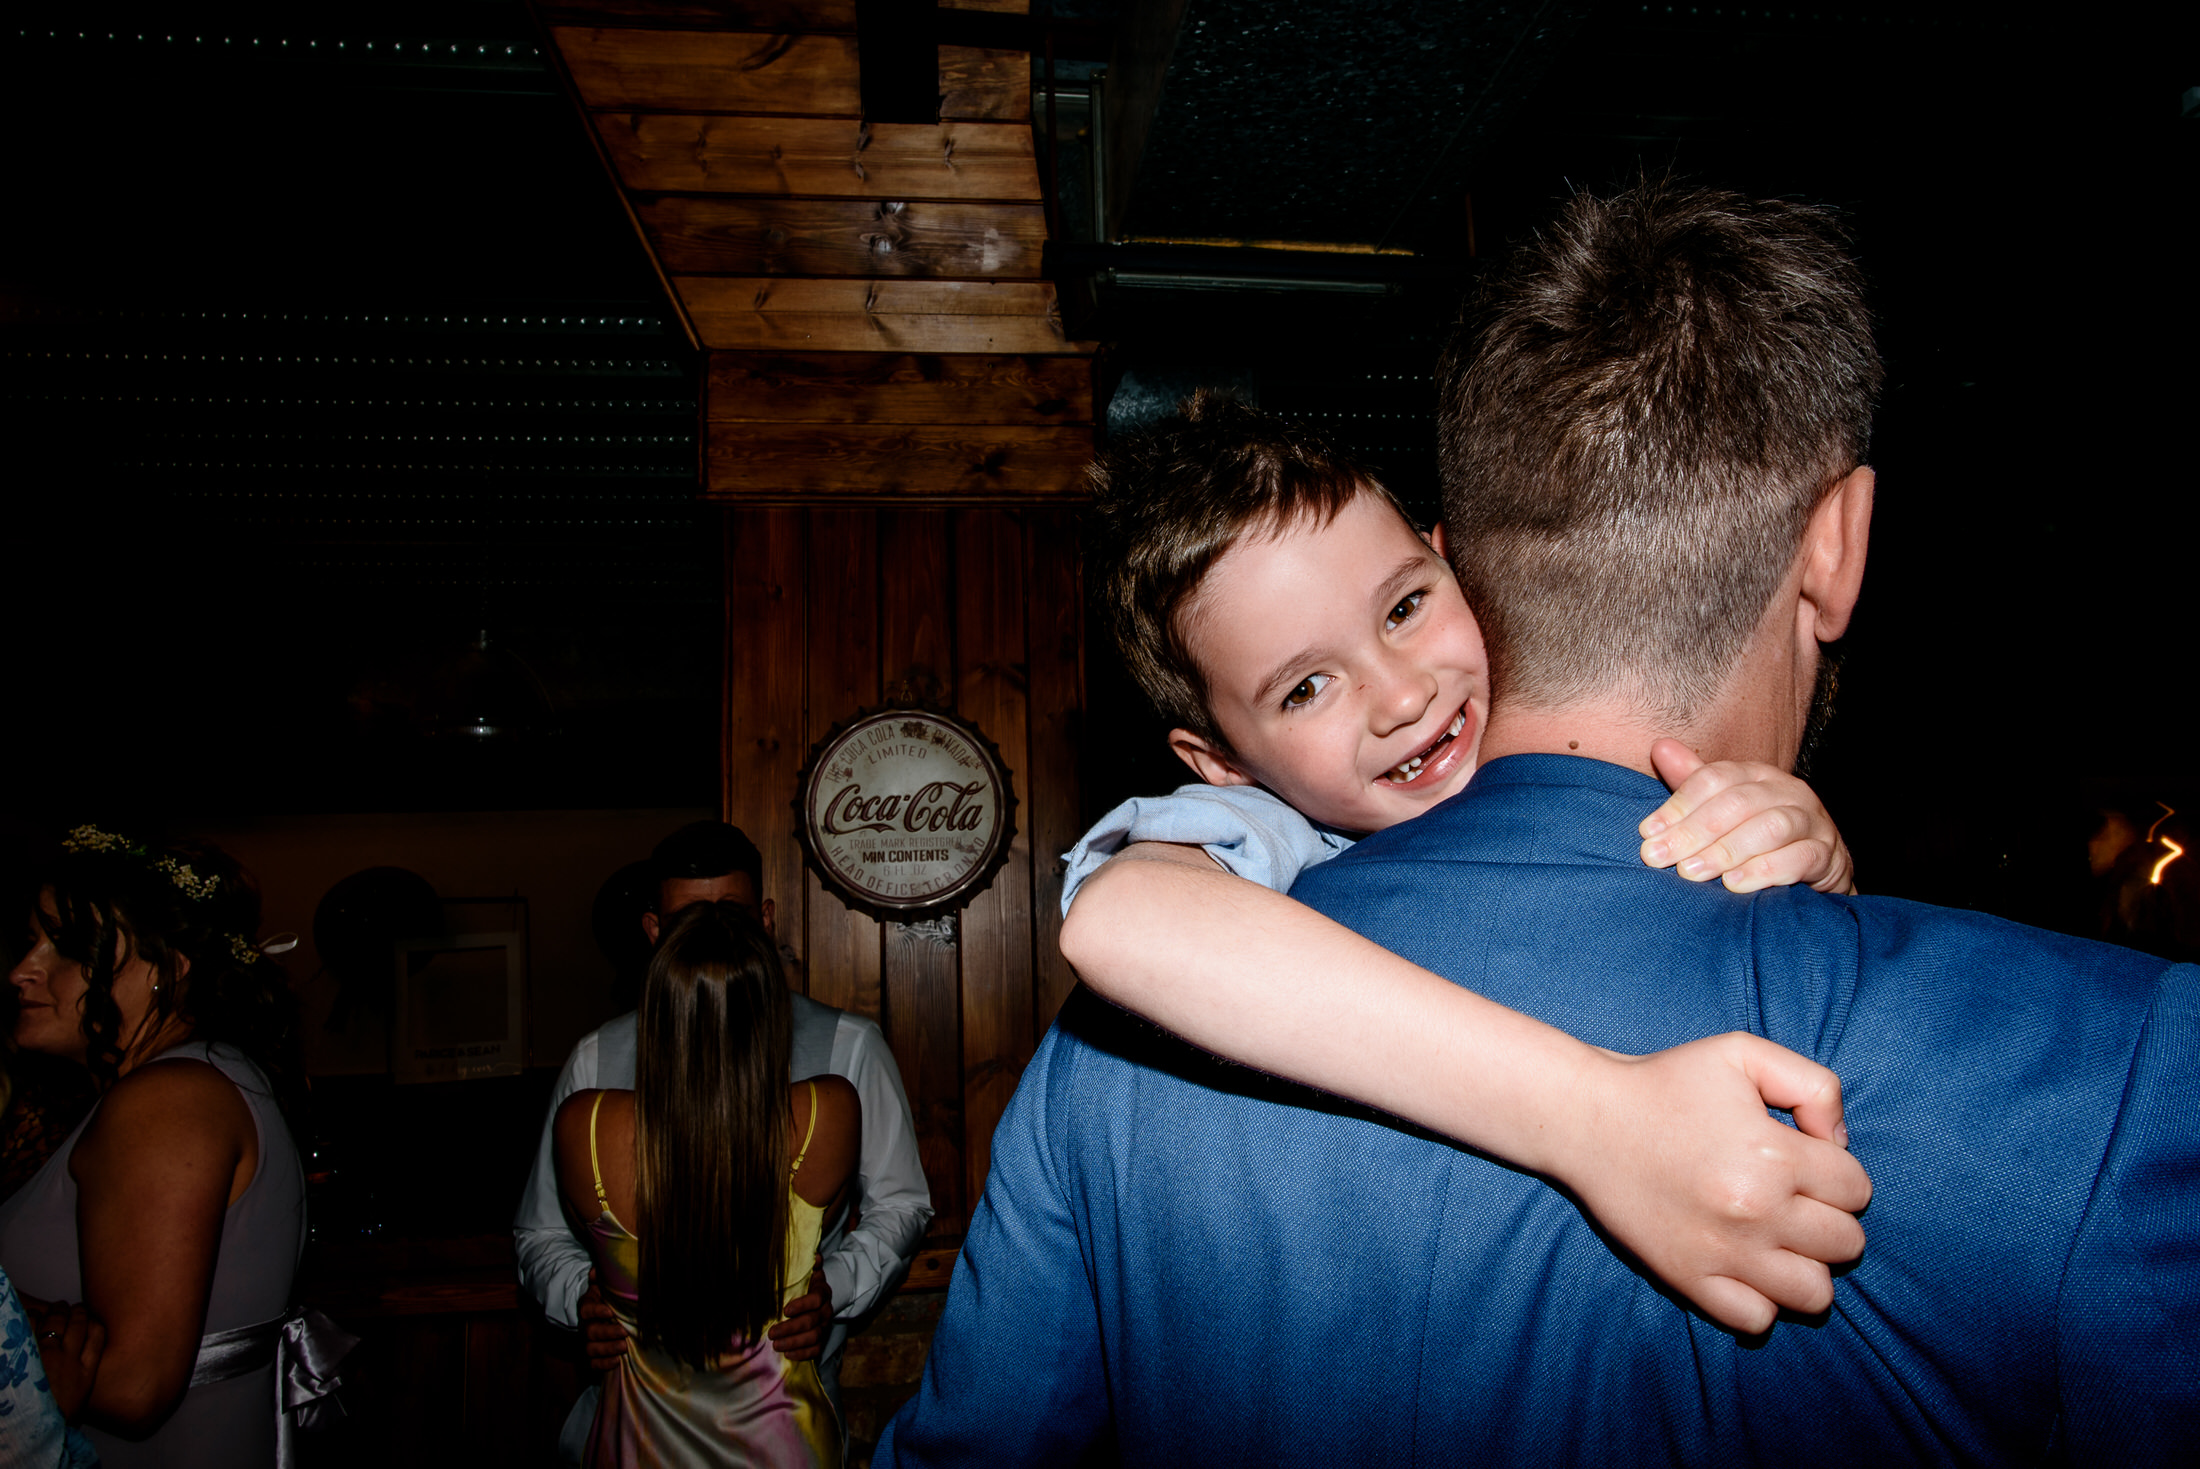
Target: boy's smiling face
[(1336, 656)]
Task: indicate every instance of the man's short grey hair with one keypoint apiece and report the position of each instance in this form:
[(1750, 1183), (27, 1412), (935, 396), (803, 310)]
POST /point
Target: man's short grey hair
[(1637, 416)]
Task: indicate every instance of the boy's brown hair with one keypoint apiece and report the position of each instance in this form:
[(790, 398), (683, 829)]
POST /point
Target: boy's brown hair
[(1636, 423), (1170, 500)]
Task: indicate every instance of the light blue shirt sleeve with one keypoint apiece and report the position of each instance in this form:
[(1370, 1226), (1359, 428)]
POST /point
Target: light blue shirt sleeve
[(1253, 834)]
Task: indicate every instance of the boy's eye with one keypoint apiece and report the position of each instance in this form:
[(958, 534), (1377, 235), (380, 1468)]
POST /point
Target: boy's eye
[(1307, 688), (1407, 606)]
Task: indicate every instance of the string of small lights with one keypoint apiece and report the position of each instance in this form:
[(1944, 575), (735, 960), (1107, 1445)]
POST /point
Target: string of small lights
[(471, 53), (423, 321), (570, 471), (509, 405), (485, 364)]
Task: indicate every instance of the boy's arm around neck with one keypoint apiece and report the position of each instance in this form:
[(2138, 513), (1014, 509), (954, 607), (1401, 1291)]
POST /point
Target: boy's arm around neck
[(1672, 1153)]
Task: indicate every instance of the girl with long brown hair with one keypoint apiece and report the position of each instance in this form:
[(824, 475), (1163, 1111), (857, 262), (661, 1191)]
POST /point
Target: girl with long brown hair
[(703, 1194)]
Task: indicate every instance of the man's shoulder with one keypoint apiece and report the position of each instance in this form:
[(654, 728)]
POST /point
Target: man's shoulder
[(839, 1027), (1099, 1060), (841, 1042), (1093, 1043), (1914, 933), (618, 1029), (814, 1012), (1439, 834), (1928, 1000), (614, 1036)]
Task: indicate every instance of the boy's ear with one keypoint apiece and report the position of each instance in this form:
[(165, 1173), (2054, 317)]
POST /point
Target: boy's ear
[(1208, 761)]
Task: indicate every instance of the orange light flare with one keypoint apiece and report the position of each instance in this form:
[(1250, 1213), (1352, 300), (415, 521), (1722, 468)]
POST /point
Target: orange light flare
[(2154, 878)]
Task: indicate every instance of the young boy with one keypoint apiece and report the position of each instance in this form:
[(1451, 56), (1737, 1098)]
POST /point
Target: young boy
[(1326, 679)]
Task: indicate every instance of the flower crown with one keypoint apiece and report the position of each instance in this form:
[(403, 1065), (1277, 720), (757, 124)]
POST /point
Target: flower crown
[(192, 885)]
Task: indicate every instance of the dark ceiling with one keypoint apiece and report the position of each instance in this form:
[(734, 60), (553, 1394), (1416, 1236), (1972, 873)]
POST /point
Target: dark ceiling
[(328, 347), (1339, 124)]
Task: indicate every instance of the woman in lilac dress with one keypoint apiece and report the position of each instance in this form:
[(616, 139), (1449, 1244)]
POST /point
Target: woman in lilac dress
[(176, 1209), (702, 1194)]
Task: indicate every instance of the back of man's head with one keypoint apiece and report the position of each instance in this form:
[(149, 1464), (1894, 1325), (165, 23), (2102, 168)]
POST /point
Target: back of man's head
[(703, 850), (1638, 416)]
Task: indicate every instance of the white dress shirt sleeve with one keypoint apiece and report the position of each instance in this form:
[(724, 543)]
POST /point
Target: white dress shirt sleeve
[(893, 1201), (553, 1263), (1249, 831)]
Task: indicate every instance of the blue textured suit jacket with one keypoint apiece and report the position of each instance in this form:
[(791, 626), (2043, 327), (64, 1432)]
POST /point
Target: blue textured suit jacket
[(1177, 1261)]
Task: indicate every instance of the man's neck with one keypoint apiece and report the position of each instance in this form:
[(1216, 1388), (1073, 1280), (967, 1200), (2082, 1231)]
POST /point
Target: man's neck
[(1757, 714), (1622, 734)]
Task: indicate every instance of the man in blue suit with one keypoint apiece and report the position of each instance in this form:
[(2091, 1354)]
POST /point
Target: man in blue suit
[(1653, 445)]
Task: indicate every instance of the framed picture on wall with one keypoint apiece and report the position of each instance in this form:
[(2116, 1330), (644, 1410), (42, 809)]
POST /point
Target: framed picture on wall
[(461, 1007)]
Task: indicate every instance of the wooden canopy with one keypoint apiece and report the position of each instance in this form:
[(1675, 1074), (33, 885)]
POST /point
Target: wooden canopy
[(869, 295)]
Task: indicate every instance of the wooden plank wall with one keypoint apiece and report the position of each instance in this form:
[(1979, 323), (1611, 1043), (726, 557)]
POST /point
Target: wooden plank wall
[(898, 426), (868, 427), (976, 609)]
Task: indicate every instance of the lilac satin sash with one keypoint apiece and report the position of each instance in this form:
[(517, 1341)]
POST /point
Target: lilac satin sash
[(306, 1350)]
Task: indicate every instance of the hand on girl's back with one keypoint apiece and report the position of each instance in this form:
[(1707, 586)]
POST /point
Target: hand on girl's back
[(601, 1332), (800, 1335), (1748, 824)]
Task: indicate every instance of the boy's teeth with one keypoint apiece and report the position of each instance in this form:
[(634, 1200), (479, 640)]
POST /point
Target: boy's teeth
[(1404, 772)]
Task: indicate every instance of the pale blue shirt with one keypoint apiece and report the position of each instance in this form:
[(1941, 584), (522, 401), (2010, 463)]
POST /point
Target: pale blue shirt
[(1252, 833)]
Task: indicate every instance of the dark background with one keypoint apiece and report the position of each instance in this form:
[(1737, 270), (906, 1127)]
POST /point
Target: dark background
[(322, 360)]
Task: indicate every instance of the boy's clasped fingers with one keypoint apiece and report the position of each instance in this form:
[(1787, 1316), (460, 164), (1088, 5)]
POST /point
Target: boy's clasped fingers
[(1801, 1241), (1748, 847), (1738, 1212), (1831, 1178), (1796, 1283), (1748, 824), (1821, 1232)]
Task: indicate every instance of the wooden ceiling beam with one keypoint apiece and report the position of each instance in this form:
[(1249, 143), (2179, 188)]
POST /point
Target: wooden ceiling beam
[(873, 428), (864, 387), (617, 69), (870, 296), (822, 157), (834, 16), (875, 463), (746, 15), (625, 69), (820, 237), (790, 313)]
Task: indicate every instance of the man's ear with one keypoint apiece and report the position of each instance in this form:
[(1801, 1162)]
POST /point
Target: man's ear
[(768, 913), (1435, 539), (1834, 545), (650, 927), (1208, 761)]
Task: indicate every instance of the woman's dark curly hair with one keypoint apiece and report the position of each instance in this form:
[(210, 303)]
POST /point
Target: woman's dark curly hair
[(105, 900)]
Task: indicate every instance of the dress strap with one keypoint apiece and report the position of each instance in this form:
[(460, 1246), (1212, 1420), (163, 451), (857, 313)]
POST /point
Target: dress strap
[(595, 1168), (807, 1132)]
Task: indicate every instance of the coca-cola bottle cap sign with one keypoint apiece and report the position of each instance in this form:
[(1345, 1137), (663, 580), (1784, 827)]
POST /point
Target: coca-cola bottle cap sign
[(905, 813)]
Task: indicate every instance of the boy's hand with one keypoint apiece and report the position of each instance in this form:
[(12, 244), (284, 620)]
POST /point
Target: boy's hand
[(1750, 825), (1735, 1211)]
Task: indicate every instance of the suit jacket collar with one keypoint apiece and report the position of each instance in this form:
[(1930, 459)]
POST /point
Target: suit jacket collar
[(1558, 809)]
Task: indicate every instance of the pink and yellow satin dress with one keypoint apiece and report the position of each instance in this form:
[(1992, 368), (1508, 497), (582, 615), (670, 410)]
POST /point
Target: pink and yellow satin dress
[(747, 1406)]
